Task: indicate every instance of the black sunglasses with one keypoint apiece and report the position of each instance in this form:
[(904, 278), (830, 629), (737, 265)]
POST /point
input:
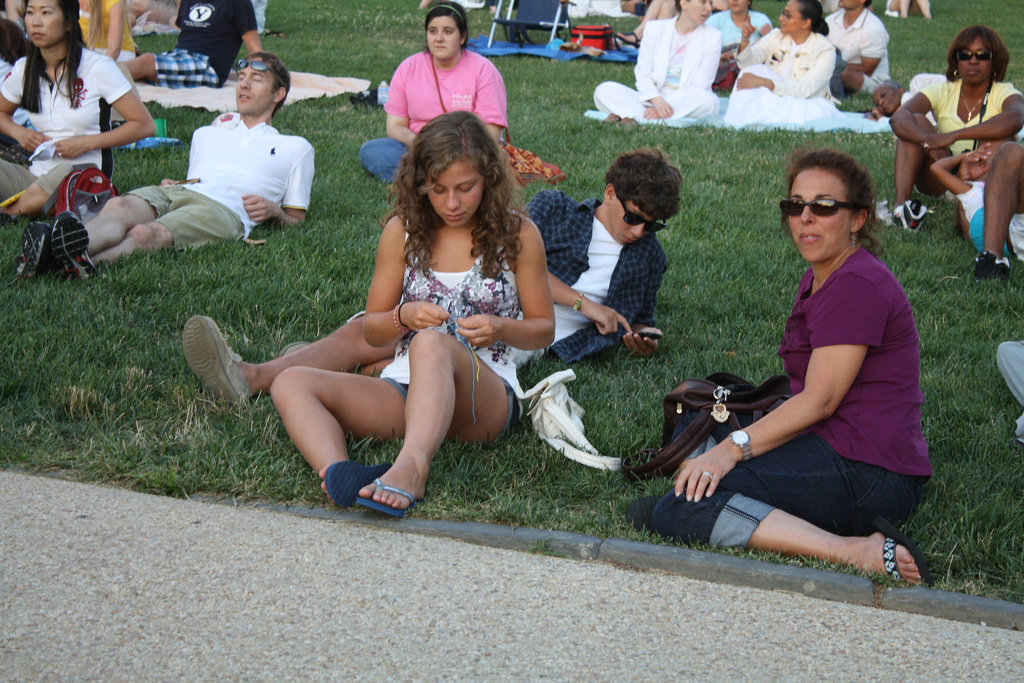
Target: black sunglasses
[(253, 64), (966, 55), (636, 219), (819, 207)]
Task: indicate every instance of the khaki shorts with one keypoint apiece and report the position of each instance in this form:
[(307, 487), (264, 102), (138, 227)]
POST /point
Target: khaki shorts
[(15, 178), (193, 219)]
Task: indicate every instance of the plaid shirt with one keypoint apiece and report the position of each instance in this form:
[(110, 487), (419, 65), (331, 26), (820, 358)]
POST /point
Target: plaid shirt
[(566, 227)]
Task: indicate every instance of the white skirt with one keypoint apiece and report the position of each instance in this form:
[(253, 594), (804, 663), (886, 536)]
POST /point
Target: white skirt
[(761, 105), (615, 98)]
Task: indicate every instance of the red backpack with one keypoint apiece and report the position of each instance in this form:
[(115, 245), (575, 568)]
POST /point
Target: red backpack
[(84, 193)]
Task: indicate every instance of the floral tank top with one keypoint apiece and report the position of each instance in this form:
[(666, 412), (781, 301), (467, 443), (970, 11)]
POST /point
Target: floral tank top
[(474, 294)]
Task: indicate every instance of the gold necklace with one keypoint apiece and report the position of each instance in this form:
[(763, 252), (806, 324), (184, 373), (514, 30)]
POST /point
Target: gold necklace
[(970, 109)]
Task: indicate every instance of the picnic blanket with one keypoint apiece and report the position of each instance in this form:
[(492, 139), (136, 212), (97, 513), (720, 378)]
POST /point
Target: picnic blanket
[(304, 86), (500, 48), (850, 121)]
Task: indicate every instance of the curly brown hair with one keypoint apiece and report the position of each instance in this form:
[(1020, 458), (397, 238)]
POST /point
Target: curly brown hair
[(646, 178), (855, 179), (446, 139), (1000, 55)]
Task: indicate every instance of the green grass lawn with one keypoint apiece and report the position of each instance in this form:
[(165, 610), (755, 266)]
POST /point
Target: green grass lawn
[(93, 384)]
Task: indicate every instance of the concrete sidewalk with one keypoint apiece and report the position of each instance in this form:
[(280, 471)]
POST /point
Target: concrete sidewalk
[(103, 583)]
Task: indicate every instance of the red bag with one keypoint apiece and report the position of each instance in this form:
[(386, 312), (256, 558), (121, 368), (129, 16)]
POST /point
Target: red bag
[(84, 193), (593, 36)]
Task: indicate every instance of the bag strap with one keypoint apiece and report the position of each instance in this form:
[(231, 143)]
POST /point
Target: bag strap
[(437, 84), (981, 114), (650, 463)]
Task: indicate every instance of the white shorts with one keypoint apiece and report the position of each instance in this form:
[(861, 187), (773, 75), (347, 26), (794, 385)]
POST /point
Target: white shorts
[(1017, 234)]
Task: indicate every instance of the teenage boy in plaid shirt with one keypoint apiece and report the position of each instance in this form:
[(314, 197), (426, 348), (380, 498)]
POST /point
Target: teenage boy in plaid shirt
[(605, 266)]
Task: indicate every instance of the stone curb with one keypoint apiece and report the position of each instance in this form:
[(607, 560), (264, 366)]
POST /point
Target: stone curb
[(740, 571), (694, 564), (956, 606)]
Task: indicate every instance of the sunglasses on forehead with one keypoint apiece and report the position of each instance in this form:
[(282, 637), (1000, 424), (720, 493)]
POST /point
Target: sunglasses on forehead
[(966, 55), (636, 219), (819, 207), (253, 64)]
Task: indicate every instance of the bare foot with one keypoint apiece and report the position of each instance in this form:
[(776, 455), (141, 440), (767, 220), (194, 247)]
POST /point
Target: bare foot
[(406, 474), (869, 558)]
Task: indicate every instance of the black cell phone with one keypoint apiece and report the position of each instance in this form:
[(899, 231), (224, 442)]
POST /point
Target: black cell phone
[(649, 334)]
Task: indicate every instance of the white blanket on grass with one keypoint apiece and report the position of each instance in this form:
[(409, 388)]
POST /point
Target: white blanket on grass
[(851, 121), (304, 86)]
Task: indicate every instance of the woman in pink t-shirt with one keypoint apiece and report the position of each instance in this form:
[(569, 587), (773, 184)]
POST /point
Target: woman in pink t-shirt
[(444, 77)]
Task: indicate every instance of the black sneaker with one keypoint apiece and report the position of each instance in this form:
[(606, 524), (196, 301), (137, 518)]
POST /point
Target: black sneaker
[(69, 244), (367, 98), (988, 267), (909, 215), (35, 250)]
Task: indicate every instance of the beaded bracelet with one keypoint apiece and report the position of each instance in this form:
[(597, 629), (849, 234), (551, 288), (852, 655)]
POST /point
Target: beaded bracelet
[(396, 317)]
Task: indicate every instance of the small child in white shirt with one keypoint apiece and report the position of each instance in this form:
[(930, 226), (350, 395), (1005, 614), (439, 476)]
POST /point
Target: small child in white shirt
[(964, 175)]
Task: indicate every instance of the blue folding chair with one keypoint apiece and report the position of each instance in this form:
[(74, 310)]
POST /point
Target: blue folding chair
[(530, 15)]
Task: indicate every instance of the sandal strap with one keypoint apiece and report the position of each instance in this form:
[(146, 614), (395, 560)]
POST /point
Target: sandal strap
[(889, 558), (381, 486)]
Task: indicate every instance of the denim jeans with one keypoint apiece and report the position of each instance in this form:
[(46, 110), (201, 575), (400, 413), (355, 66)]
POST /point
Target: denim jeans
[(805, 478), (380, 157)]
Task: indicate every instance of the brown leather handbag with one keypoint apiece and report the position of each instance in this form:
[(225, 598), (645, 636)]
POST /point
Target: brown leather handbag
[(720, 398)]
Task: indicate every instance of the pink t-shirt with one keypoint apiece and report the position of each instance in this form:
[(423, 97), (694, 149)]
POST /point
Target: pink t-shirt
[(474, 84)]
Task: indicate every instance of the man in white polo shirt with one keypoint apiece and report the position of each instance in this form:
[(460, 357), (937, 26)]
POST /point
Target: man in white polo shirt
[(863, 44), (241, 172)]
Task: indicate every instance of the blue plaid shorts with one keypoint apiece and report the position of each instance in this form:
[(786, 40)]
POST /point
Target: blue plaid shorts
[(183, 69)]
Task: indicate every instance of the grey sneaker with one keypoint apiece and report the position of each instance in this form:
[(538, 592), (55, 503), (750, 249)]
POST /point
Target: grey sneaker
[(292, 348), (35, 250), (213, 361), (69, 243)]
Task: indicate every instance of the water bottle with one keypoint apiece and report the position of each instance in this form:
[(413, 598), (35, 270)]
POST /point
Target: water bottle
[(382, 93)]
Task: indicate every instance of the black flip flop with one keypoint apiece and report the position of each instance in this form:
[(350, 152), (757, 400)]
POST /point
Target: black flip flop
[(640, 511), (630, 39), (896, 537)]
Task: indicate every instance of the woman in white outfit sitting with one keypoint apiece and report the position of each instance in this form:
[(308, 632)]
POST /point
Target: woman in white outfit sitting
[(784, 76), (676, 65)]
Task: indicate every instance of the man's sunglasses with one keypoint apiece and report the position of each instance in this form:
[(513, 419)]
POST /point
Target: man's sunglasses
[(819, 207), (966, 55), (253, 64), (636, 219)]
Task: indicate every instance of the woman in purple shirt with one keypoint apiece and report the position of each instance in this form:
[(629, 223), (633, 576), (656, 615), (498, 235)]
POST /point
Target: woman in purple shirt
[(821, 475)]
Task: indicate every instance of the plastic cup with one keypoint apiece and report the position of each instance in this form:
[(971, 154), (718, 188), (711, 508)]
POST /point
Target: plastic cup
[(161, 128)]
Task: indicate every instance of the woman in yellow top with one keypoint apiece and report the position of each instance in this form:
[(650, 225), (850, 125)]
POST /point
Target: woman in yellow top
[(110, 33), (972, 105)]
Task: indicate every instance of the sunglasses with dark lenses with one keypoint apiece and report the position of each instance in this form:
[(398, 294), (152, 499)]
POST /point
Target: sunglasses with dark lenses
[(982, 55), (252, 64), (819, 207), (636, 219)]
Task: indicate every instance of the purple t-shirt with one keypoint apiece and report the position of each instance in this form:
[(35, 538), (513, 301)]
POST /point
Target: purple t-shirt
[(879, 419), (473, 84)]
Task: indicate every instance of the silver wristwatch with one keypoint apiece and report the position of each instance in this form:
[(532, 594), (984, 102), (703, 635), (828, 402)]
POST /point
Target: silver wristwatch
[(741, 440)]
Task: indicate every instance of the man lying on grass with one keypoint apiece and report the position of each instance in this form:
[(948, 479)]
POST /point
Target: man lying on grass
[(241, 172), (604, 264)]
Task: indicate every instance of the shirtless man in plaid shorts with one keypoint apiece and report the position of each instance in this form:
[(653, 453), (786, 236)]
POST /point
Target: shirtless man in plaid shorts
[(211, 33)]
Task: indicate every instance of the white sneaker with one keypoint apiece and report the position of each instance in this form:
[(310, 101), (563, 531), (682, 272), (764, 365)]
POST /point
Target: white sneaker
[(909, 215)]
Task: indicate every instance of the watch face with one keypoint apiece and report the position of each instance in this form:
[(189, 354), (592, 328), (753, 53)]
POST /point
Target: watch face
[(740, 438)]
